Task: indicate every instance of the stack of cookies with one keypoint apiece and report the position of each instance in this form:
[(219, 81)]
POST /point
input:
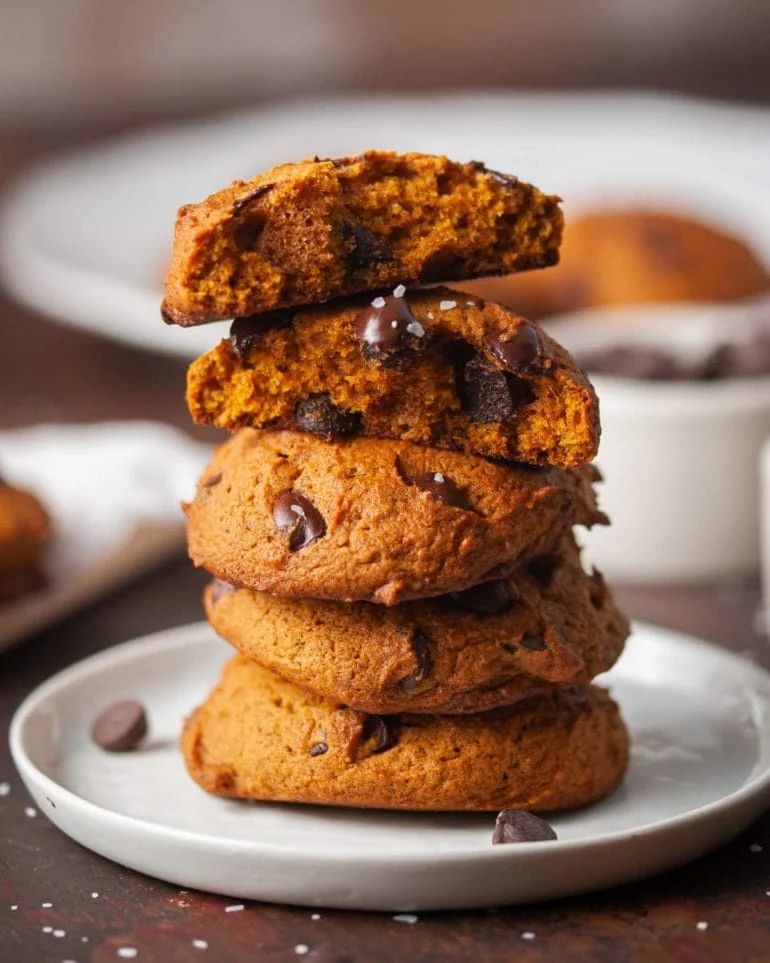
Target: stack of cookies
[(390, 526)]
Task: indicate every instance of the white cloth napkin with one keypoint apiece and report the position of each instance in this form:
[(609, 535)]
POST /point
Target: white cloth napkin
[(113, 492)]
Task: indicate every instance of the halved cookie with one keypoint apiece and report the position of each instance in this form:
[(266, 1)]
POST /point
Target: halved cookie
[(303, 233), (433, 367)]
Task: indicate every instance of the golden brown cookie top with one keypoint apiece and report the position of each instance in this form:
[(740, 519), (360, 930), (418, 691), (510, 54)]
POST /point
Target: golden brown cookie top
[(374, 519), (303, 233), (433, 367), (547, 624)]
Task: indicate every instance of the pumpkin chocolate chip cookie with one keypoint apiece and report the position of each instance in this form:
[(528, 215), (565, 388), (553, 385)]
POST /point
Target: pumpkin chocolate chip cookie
[(260, 737), (373, 519), (491, 645), (433, 367), (25, 530), (303, 233)]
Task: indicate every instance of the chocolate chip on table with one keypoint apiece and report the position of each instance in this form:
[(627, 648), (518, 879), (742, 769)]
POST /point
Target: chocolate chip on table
[(381, 732), (489, 395), (534, 642), (319, 748), (320, 416), (388, 330), (245, 333), (364, 247), (489, 598), (519, 351), (421, 649), (520, 826), (121, 726), (296, 516)]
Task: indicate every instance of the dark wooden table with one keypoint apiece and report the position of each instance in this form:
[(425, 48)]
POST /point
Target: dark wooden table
[(48, 372)]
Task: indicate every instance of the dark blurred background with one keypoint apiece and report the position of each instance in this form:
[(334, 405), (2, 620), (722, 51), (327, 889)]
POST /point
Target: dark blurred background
[(76, 65)]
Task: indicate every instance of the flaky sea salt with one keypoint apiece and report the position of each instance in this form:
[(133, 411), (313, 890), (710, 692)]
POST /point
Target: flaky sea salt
[(447, 305), (399, 291), (378, 303)]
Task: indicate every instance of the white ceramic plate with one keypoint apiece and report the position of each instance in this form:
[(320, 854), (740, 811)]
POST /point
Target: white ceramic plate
[(85, 237), (700, 773)]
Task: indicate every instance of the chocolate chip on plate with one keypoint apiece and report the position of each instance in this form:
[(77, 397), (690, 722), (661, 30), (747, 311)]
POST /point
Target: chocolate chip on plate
[(519, 826), (387, 328), (489, 395), (121, 726), (320, 416), (489, 598), (423, 657), (519, 351), (296, 516)]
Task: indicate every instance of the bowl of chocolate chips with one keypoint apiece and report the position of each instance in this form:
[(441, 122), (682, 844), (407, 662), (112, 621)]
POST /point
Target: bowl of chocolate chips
[(685, 404)]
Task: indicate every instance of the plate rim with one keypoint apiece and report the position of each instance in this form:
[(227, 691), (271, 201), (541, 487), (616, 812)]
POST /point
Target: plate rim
[(757, 785)]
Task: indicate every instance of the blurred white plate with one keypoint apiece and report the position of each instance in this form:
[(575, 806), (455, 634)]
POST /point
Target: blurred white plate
[(112, 491), (700, 773), (85, 237)]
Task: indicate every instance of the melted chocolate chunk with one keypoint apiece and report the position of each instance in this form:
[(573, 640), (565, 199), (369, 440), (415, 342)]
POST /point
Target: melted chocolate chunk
[(489, 598), (519, 352), (387, 330), (439, 485), (120, 727), (542, 567), (520, 826), (319, 749), (296, 516), (382, 732), (320, 416), (489, 395), (220, 588), (253, 194), (245, 333), (535, 642), (421, 648), (364, 248)]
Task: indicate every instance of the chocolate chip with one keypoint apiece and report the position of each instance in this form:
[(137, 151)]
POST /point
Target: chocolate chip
[(245, 333), (364, 248), (253, 194), (507, 180), (421, 649), (382, 732), (120, 727), (387, 330), (439, 485), (541, 568), (296, 516), (218, 589), (535, 642), (320, 416), (519, 826), (489, 598), (489, 395), (319, 749), (519, 351)]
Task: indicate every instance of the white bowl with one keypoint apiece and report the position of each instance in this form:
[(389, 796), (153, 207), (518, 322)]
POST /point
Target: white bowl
[(679, 459)]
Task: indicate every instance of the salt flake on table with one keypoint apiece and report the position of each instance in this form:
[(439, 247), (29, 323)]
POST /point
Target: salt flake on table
[(200, 944), (59, 934), (406, 918), (528, 935), (703, 925), (301, 949), (315, 916), (756, 848), (128, 952), (5, 788), (47, 905), (30, 811), (235, 909)]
